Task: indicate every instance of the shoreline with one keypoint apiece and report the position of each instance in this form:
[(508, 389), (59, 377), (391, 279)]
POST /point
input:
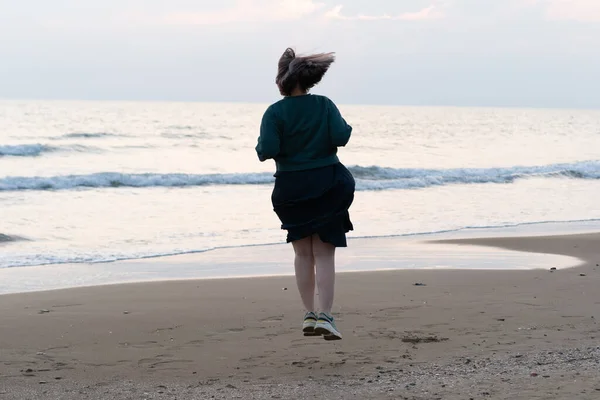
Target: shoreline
[(363, 256), (580, 246), (528, 229), (494, 334)]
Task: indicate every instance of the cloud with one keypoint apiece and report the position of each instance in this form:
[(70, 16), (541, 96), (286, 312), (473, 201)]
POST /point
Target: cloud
[(428, 13), (248, 11), (575, 10), (568, 10)]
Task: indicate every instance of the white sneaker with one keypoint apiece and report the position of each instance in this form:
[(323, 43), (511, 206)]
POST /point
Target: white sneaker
[(309, 323), (326, 326)]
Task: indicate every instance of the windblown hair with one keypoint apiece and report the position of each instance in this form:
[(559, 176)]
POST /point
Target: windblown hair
[(301, 71)]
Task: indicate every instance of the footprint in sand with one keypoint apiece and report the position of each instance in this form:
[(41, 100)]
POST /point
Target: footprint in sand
[(142, 345), (158, 362), (273, 319), (195, 343), (171, 328)]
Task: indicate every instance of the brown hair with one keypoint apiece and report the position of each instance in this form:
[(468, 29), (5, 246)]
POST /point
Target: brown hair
[(301, 71)]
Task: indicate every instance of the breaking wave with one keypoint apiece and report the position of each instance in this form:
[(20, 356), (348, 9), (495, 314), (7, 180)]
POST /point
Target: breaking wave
[(367, 178), (86, 135), (24, 150), (6, 238), (35, 150)]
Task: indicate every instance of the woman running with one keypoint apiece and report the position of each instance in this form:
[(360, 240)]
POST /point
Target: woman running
[(313, 190)]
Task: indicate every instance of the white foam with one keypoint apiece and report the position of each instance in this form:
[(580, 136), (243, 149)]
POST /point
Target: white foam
[(367, 178)]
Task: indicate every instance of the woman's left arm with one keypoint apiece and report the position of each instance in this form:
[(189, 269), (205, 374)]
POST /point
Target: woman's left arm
[(268, 141)]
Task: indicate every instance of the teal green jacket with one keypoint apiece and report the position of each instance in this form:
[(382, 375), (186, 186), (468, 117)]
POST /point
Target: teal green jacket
[(302, 132)]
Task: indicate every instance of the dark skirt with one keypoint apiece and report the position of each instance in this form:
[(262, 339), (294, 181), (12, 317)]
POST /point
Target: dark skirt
[(315, 201)]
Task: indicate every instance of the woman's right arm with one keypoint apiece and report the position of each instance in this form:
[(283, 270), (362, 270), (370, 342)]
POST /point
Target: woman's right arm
[(339, 130), (268, 141)]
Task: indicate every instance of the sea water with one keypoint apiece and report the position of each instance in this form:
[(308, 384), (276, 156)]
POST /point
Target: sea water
[(85, 182)]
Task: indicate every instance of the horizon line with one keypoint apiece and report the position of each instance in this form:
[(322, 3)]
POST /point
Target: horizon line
[(277, 98)]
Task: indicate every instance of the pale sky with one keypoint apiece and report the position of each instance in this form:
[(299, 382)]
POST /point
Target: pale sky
[(535, 53)]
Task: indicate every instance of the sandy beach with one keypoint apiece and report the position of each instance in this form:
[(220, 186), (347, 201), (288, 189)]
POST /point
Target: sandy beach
[(457, 335)]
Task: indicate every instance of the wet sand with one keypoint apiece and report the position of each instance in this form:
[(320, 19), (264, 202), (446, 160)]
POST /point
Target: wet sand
[(460, 335)]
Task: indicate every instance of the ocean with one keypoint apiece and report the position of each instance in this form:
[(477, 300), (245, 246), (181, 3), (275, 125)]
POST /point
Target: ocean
[(88, 182)]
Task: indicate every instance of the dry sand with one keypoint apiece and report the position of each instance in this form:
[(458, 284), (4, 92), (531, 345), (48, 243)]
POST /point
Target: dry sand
[(464, 335)]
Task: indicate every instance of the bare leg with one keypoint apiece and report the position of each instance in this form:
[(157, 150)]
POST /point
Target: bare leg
[(304, 264), (324, 254)]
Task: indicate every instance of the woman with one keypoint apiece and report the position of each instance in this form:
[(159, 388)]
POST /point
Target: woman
[(313, 190)]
